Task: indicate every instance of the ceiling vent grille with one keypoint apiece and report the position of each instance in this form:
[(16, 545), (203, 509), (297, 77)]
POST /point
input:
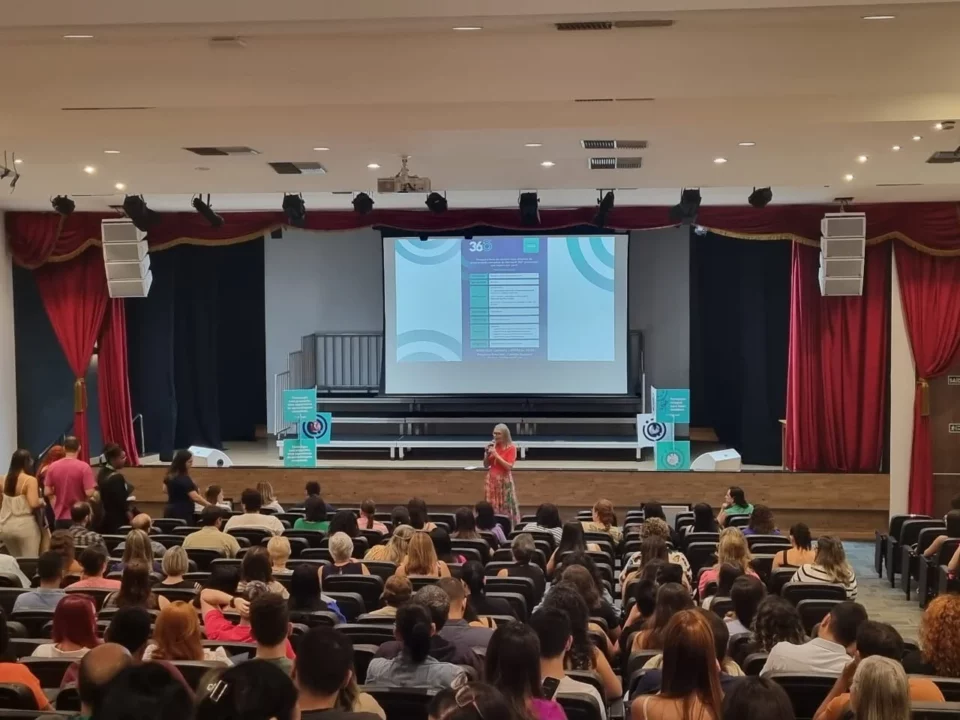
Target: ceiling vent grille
[(221, 151), (612, 100), (594, 100), (229, 42), (298, 168), (944, 157), (613, 144), (641, 24), (592, 25), (609, 163), (102, 109), (582, 26), (899, 185)]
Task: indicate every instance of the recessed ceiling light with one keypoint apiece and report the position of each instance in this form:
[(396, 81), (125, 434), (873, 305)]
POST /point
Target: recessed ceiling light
[(321, 149), (120, 186), (467, 28), (746, 143), (862, 158), (18, 161), (896, 148), (878, 17), (533, 144), (938, 126), (374, 166), (848, 177), (78, 37), (112, 152), (548, 163), (917, 138), (719, 161), (201, 168), (90, 170)]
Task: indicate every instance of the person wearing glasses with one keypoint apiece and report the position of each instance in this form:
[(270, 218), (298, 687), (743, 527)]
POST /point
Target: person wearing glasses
[(469, 701)]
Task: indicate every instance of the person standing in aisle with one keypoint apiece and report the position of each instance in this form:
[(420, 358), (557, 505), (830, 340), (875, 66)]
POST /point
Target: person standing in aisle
[(68, 481)]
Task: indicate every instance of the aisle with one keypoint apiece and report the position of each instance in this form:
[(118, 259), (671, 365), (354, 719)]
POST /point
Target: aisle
[(883, 603)]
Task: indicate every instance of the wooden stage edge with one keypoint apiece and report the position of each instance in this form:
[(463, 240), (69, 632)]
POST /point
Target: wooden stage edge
[(849, 505)]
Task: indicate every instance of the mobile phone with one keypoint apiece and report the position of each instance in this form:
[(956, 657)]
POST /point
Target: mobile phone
[(550, 686)]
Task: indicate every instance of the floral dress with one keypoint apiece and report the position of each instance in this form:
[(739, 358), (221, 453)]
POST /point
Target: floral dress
[(499, 488)]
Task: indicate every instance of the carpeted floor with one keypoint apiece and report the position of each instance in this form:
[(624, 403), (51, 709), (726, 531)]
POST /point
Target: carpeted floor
[(883, 603)]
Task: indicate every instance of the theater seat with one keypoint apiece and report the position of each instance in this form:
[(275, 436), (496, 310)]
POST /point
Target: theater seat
[(193, 671), (754, 662), (813, 611), (368, 587), (950, 687), (806, 690), (402, 703), (934, 711), (362, 655), (639, 658), (17, 697), (49, 671), (366, 634), (797, 591), (579, 706), (350, 604)]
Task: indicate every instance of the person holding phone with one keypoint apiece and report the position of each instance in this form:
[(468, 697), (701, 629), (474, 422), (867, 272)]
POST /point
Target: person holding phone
[(499, 459), (513, 666)]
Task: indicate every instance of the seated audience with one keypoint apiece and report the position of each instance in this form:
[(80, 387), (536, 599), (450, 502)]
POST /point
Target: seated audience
[(880, 690), (703, 520), (756, 698), (470, 701), (725, 580), (513, 666), (175, 565), (547, 520), (137, 547), (690, 680), (314, 517), (465, 525), (571, 540), (734, 503), (74, 629), (456, 629), (214, 497), (271, 613), (605, 521), (252, 501), (368, 520), (421, 559), (10, 566), (278, 548), (324, 673), (653, 510), (579, 577), (252, 690), (14, 672), (830, 566), (747, 593), (176, 636), (268, 500), (396, 592), (346, 522), (395, 549), (479, 606), (444, 547), (313, 489), (419, 515), (939, 652), (761, 522), (733, 550), (305, 595), (400, 515), (829, 652), (81, 514), (49, 594), (880, 640), (487, 520), (671, 599), (524, 550), (210, 536), (644, 596), (93, 560), (654, 528), (135, 589), (341, 551), (270, 626), (255, 567), (801, 550), (952, 520), (97, 678), (777, 620), (553, 630), (414, 664), (61, 542), (144, 522)]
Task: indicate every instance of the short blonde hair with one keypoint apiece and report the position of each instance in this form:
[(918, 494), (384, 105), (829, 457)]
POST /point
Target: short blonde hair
[(175, 561), (279, 550), (341, 547), (880, 690)]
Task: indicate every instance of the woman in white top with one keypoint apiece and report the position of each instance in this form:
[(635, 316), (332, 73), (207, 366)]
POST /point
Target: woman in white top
[(21, 496), (830, 566), (268, 499), (548, 520), (74, 629)]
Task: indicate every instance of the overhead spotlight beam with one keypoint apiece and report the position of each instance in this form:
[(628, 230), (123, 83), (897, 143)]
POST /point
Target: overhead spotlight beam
[(363, 203), (436, 203), (604, 206), (685, 212), (529, 209), (760, 197), (135, 208), (206, 211), (63, 205), (295, 209)]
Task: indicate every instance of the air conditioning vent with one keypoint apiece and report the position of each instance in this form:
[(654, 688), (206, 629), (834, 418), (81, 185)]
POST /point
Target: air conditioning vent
[(613, 144), (635, 99), (944, 157), (594, 100), (611, 163), (341, 192), (617, 25), (899, 185), (629, 163), (582, 26), (220, 151), (611, 100), (298, 168), (102, 109), (640, 24), (230, 42)]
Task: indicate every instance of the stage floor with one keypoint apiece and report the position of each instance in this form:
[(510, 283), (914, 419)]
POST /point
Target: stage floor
[(263, 453)]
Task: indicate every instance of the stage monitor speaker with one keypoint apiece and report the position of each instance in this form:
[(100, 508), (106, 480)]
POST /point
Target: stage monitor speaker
[(209, 457), (718, 461)]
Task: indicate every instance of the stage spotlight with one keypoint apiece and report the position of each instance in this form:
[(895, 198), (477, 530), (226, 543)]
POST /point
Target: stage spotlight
[(295, 209), (363, 204), (685, 212), (208, 214), (760, 198), (136, 209), (63, 205), (529, 209), (436, 203), (604, 206)]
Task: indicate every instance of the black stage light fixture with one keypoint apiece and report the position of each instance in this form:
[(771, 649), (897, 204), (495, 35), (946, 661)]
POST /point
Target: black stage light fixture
[(363, 203), (685, 212), (529, 209), (604, 206), (135, 208), (295, 209), (436, 203), (206, 211), (63, 205), (760, 198)]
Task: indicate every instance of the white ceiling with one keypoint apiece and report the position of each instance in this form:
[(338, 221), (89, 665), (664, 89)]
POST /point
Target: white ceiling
[(812, 84)]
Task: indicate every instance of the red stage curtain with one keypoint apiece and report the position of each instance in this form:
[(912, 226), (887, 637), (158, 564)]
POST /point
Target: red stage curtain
[(930, 292), (74, 295), (836, 377), (116, 423)]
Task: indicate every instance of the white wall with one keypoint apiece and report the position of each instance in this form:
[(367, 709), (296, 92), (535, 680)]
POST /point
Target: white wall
[(8, 371), (319, 282), (902, 390)]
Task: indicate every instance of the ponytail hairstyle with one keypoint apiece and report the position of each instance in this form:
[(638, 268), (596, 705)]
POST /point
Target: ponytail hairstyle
[(414, 627), (368, 509)]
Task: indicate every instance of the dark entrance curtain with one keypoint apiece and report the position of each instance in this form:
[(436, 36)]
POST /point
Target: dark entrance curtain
[(739, 322)]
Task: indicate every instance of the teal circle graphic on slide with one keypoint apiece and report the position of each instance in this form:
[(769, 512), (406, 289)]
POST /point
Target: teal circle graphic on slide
[(428, 346), (575, 249), (427, 252)]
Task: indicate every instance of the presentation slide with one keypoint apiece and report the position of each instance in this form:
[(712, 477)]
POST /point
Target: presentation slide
[(523, 315)]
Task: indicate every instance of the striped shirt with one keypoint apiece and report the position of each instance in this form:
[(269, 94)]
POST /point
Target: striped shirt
[(813, 573)]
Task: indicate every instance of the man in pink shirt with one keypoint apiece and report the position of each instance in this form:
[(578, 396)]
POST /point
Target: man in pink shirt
[(68, 481)]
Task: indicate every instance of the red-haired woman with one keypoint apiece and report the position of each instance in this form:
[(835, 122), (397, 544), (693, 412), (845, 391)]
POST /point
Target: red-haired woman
[(74, 629)]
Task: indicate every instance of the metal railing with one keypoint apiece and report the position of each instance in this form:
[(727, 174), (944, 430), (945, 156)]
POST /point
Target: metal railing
[(349, 362)]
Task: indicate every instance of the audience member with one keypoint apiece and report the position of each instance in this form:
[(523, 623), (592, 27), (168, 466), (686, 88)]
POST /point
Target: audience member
[(604, 520), (177, 636), (315, 515), (419, 515), (267, 497), (829, 652), (368, 520), (479, 606), (182, 492), (725, 580), (756, 698), (253, 690), (747, 593), (571, 540), (74, 629), (734, 503), (777, 620), (761, 522), (344, 521), (341, 552), (49, 594), (939, 639), (800, 551), (256, 567), (690, 682), (114, 459), (135, 589), (130, 627), (305, 595), (313, 489), (830, 566), (137, 547), (487, 521), (278, 548), (93, 560), (524, 550), (270, 626), (703, 520), (732, 549), (655, 528), (148, 691), (323, 670), (443, 546), (395, 549), (15, 672), (513, 666), (471, 701), (175, 565), (396, 591), (580, 577), (952, 520), (214, 497), (644, 597), (68, 481), (880, 690), (414, 664), (548, 521), (218, 627), (456, 629), (81, 516), (553, 630), (142, 521), (210, 536), (252, 517), (61, 542), (421, 559), (671, 599), (465, 525), (97, 671), (400, 515)]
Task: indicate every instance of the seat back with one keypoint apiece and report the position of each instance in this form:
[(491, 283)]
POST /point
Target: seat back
[(17, 697), (366, 634), (253, 535), (897, 521), (700, 554), (68, 699), (797, 591), (368, 587), (97, 595), (481, 547), (934, 711), (49, 671), (778, 578), (320, 553), (362, 655), (168, 541), (812, 612), (350, 603), (165, 525), (173, 594), (194, 670), (523, 585), (754, 663), (590, 677), (33, 620), (382, 569), (763, 566), (806, 690), (781, 541), (24, 647), (927, 536), (722, 605), (8, 596), (639, 658), (950, 687), (290, 516), (318, 618), (910, 532), (203, 557), (738, 521), (406, 703), (297, 545), (517, 603), (579, 706), (28, 565)]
